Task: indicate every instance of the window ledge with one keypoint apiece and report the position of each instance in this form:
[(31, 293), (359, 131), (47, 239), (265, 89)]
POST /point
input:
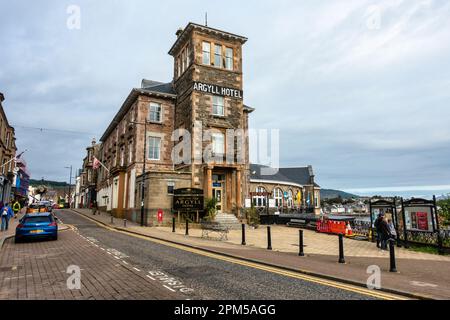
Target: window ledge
[(155, 122)]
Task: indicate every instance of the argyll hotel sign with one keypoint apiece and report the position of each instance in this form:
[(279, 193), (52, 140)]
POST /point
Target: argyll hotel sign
[(218, 90)]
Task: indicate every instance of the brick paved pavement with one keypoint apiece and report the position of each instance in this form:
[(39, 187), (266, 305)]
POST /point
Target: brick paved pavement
[(11, 228), (421, 274), (37, 270), (285, 239)]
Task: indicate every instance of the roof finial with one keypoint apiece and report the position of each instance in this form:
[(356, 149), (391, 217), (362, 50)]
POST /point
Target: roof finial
[(206, 18)]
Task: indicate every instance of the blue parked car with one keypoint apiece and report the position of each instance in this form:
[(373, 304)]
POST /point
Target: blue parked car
[(37, 225)]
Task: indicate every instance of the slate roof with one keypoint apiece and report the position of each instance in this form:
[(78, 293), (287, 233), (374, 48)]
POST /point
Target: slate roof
[(151, 86), (148, 87), (299, 175)]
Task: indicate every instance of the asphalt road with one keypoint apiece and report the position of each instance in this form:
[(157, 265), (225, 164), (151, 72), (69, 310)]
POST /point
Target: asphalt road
[(198, 277)]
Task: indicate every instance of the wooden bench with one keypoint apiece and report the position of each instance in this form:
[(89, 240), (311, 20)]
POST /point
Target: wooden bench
[(208, 227)]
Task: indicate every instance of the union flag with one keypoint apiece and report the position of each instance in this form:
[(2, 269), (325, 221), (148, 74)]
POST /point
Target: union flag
[(96, 164)]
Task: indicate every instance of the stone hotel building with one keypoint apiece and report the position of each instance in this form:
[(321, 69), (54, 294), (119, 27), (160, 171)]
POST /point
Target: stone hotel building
[(205, 97)]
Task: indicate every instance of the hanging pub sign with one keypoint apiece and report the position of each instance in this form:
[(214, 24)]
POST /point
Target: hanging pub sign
[(188, 200), (218, 90)]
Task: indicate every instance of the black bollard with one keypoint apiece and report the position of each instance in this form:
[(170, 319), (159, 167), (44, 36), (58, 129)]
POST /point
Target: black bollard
[(392, 267), (341, 248), (173, 224), (269, 239), (300, 234), (112, 219), (125, 223), (187, 227), (243, 235)]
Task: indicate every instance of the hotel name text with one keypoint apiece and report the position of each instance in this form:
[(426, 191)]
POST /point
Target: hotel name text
[(218, 90)]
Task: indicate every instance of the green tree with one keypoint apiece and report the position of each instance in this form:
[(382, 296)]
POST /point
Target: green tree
[(444, 210), (211, 209), (252, 216)]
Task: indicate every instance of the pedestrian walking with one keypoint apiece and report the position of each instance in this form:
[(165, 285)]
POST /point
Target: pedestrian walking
[(16, 208), (94, 207), (6, 213)]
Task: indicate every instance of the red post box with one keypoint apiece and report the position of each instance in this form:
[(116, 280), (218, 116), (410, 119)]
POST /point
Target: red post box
[(160, 215)]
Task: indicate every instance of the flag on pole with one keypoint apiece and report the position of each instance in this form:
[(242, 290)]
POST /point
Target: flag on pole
[(96, 164)]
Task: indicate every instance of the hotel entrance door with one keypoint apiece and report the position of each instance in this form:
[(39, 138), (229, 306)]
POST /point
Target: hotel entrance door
[(218, 191)]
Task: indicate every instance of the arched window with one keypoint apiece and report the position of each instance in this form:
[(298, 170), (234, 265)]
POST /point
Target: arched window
[(259, 198), (290, 199), (278, 196)]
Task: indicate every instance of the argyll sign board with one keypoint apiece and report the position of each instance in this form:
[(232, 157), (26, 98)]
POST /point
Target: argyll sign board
[(188, 200), (218, 90)]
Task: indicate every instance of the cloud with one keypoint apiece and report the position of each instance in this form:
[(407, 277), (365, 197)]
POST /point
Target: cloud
[(365, 106)]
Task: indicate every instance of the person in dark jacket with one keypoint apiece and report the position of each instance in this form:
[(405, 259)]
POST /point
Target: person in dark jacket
[(385, 233), (377, 228)]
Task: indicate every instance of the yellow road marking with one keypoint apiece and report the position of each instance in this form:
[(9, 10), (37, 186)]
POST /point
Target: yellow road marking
[(291, 274)]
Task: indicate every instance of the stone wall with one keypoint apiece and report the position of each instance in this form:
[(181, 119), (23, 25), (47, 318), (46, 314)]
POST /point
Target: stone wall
[(156, 194)]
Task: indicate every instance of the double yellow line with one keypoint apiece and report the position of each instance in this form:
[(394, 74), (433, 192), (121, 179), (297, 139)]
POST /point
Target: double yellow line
[(297, 275)]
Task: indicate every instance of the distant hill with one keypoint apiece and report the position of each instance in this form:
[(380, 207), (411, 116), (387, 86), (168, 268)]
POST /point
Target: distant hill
[(331, 194), (52, 184)]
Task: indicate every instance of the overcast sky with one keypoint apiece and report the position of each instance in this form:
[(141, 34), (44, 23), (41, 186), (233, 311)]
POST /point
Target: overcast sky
[(359, 89)]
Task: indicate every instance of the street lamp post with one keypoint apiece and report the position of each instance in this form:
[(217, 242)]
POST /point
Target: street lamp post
[(70, 185), (143, 170), (143, 174)]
